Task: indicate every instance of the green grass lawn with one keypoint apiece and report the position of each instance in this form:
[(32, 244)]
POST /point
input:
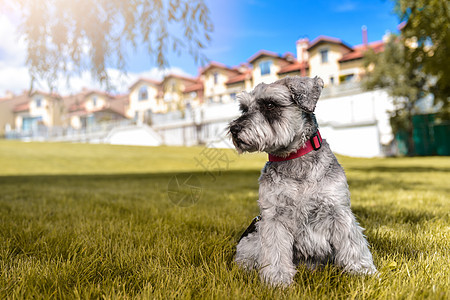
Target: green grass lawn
[(96, 221)]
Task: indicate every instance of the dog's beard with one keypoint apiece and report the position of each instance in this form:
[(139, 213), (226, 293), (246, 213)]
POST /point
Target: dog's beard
[(242, 145)]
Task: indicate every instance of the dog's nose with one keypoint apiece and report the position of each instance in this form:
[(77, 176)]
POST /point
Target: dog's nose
[(235, 129)]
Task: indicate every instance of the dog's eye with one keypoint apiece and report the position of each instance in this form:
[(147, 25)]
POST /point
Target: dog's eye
[(269, 106)]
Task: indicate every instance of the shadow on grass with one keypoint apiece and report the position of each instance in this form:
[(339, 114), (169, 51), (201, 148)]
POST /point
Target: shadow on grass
[(210, 177), (384, 184), (392, 184), (130, 185)]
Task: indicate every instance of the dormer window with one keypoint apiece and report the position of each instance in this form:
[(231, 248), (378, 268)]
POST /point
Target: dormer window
[(324, 56), (216, 77), (38, 102), (94, 101), (265, 67), (143, 93)]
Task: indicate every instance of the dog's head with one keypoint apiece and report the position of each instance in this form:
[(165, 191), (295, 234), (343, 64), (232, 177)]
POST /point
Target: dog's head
[(277, 118)]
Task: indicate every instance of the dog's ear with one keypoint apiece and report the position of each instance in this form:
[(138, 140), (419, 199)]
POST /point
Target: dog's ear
[(305, 91)]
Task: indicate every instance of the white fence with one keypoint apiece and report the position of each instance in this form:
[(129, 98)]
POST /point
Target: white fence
[(355, 123)]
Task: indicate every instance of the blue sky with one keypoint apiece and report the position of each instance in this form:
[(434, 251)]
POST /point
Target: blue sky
[(246, 26)]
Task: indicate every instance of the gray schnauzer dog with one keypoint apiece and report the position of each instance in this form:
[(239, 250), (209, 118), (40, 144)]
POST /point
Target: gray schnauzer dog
[(304, 200)]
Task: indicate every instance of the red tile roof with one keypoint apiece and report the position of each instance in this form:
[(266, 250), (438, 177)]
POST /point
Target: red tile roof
[(125, 98), (289, 56), (77, 107), (22, 107), (240, 77), (327, 39), (264, 53), (52, 95), (294, 67), (194, 87), (151, 81), (214, 64), (90, 92), (359, 50), (84, 112), (185, 78)]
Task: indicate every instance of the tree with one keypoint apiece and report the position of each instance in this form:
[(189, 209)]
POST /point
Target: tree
[(400, 73), (68, 37), (427, 22)]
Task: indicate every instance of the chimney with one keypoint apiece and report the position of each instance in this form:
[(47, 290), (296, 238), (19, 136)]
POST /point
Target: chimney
[(364, 35), (302, 52)]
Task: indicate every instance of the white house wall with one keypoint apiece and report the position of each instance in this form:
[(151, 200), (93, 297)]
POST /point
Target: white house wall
[(358, 124), (357, 141)]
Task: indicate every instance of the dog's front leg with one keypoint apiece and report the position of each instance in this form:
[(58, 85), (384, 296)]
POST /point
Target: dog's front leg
[(351, 248), (276, 256)]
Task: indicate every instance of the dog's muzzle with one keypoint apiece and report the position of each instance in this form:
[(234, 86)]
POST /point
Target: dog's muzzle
[(235, 129)]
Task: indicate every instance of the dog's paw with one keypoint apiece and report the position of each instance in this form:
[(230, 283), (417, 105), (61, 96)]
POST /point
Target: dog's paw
[(245, 263), (275, 277), (362, 270), (370, 271)]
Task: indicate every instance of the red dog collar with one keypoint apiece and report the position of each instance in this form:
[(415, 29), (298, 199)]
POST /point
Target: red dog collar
[(314, 143)]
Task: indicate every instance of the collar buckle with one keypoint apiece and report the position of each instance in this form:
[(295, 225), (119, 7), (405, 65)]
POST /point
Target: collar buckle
[(316, 141)]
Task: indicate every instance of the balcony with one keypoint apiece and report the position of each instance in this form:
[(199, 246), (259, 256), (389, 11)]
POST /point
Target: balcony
[(343, 89)]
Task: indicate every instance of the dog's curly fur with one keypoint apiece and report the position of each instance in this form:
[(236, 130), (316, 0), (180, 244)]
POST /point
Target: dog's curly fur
[(304, 202)]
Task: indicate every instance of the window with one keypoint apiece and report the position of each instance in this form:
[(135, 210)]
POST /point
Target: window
[(233, 96), (94, 101), (349, 77), (38, 102), (265, 67), (216, 78), (324, 55), (143, 93), (220, 99)]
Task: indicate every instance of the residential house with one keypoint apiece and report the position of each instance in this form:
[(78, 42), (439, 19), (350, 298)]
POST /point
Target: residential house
[(239, 83), (7, 105), (173, 89), (145, 98), (92, 107), (268, 66), (193, 94), (215, 77), (351, 66), (324, 54), (175, 92), (37, 110)]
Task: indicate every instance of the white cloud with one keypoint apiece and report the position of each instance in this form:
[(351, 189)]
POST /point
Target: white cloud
[(14, 75)]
